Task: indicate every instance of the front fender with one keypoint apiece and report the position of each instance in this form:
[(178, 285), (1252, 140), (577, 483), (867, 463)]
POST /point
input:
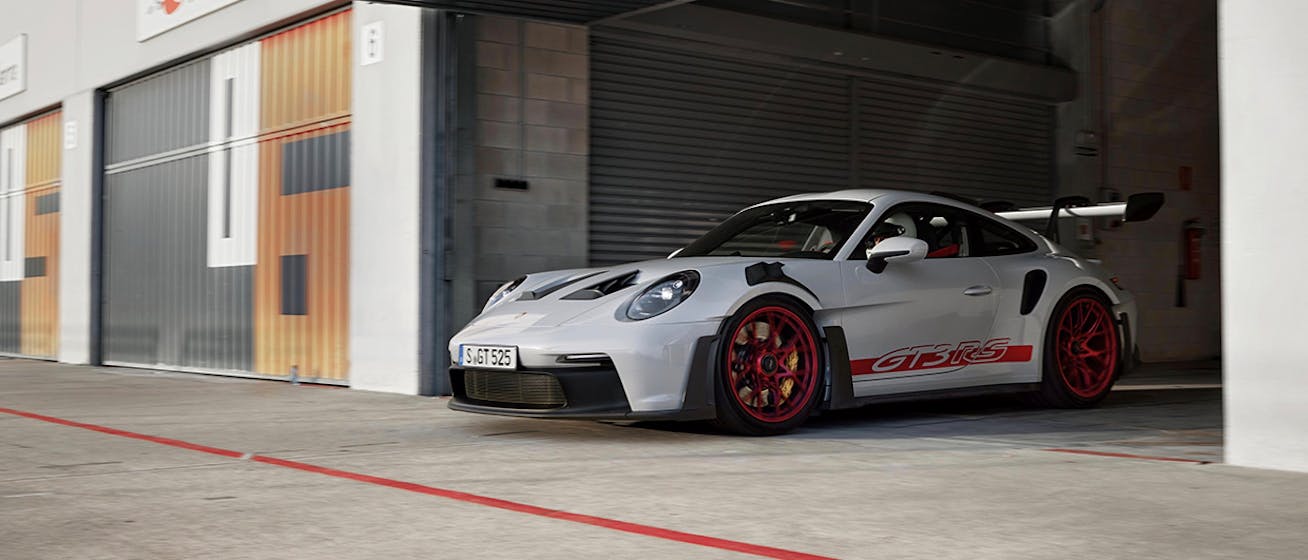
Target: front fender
[(772, 288)]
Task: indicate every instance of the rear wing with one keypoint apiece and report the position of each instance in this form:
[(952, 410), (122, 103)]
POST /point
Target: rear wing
[(1137, 208)]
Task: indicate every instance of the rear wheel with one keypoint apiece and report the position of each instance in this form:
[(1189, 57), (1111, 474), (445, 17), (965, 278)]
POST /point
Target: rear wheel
[(770, 368), (1082, 355)]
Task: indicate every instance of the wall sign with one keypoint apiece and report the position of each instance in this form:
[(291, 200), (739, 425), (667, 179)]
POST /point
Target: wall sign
[(372, 43), (13, 66), (157, 16), (70, 135)]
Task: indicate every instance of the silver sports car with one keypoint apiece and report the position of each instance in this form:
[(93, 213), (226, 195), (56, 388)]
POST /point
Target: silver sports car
[(807, 303)]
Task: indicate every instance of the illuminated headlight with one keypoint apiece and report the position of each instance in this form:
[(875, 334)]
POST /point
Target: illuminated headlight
[(663, 295), (502, 291)]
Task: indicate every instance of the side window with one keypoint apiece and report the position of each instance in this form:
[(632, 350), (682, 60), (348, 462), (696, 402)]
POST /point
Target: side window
[(945, 230), (997, 239)]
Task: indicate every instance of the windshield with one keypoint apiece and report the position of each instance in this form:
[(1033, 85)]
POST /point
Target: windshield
[(812, 229)]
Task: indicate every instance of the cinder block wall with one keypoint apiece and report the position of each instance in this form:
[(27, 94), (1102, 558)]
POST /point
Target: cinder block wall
[(1162, 115), (532, 107)]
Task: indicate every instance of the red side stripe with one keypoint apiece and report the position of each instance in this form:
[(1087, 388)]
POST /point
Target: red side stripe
[(613, 524), (1011, 354)]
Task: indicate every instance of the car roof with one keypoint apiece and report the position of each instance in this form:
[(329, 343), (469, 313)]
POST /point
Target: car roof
[(891, 197), (868, 195)]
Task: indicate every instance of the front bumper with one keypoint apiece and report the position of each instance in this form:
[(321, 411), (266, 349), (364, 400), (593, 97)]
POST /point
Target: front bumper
[(579, 393)]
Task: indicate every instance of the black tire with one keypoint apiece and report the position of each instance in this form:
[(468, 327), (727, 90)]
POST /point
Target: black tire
[(790, 411), (1073, 378)]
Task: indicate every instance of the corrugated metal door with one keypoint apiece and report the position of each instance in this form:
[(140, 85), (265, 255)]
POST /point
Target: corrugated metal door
[(227, 210), (681, 139), (931, 138), (29, 237)]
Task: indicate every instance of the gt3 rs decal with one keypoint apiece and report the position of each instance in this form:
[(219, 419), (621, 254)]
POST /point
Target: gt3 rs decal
[(939, 356)]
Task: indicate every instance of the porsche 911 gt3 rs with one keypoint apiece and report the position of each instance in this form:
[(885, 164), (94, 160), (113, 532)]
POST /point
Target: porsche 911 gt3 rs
[(806, 303)]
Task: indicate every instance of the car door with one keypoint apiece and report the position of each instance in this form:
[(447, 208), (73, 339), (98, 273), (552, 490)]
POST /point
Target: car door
[(1016, 260), (916, 325)]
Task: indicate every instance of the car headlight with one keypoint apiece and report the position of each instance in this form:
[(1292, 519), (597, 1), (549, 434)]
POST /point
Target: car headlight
[(502, 291), (663, 295)]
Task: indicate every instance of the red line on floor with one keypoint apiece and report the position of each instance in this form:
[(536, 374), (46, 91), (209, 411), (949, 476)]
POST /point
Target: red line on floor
[(126, 434), (635, 528), (1127, 455)]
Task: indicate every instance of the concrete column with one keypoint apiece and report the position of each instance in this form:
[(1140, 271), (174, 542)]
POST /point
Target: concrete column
[(532, 125), (385, 232), (1264, 194), (1075, 42), (77, 233)]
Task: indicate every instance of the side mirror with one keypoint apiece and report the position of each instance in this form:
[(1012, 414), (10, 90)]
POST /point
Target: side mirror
[(896, 249)]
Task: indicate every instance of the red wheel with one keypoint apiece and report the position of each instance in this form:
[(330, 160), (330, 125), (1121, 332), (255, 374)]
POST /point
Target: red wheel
[(1082, 351), (1086, 347), (771, 368)]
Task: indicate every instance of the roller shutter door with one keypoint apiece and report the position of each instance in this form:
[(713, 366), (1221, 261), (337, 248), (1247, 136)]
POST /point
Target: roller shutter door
[(226, 210), (681, 139), (929, 138)]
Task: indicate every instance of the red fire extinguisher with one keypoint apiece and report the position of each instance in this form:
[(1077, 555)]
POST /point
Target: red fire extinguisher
[(1191, 256), (1193, 233)]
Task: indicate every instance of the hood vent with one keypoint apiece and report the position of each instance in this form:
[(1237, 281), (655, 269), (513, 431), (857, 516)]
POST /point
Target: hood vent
[(555, 286), (606, 287)]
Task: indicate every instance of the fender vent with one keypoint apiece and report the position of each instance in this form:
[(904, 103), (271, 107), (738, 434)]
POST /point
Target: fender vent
[(1032, 287)]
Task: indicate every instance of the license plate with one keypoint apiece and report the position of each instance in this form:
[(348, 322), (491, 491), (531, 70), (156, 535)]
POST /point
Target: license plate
[(488, 357)]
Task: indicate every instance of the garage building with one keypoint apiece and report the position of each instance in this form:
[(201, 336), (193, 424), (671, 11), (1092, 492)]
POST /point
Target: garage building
[(323, 190)]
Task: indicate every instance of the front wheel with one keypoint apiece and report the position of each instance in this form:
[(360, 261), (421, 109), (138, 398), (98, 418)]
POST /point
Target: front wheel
[(770, 368), (1082, 351)]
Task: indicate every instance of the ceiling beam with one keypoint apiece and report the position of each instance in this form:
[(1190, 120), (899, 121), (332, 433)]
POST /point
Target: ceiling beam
[(639, 11)]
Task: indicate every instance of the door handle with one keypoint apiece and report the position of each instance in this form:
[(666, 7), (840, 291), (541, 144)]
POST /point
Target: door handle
[(977, 291)]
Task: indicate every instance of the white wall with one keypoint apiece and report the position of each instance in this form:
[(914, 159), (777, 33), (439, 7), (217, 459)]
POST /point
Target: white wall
[(79, 45), (1265, 191), (385, 216), (76, 234)]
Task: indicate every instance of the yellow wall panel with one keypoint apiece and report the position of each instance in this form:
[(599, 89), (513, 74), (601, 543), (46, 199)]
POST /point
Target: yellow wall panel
[(306, 74), (314, 224), (40, 293), (304, 202)]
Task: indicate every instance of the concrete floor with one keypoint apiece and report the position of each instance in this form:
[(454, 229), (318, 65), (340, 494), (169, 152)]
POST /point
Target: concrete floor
[(955, 479)]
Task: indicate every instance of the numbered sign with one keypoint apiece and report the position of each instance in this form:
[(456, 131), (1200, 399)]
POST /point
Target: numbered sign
[(371, 44)]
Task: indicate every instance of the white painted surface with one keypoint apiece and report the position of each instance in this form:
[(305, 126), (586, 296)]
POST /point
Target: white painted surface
[(1265, 188), (75, 233), (157, 16), (13, 202), (79, 45), (13, 66), (384, 211), (233, 231)]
